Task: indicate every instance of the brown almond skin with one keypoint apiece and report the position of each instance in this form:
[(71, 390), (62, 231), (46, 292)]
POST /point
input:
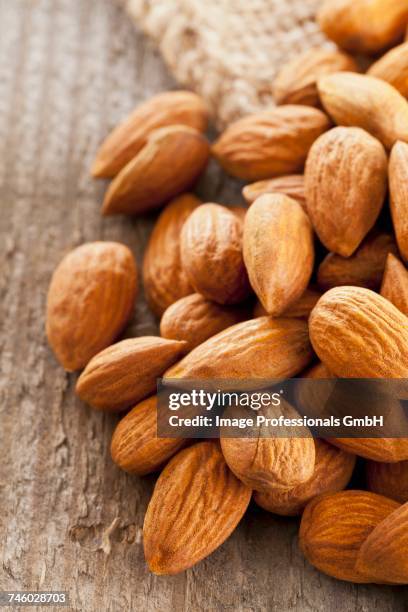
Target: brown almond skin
[(126, 372), (270, 143), (332, 472), (385, 450), (334, 526), (398, 173), (266, 462), (211, 254), (90, 300), (194, 319), (384, 554), (278, 251), (196, 505), (366, 102), (359, 334), (135, 447), (292, 185), (366, 26), (169, 163), (300, 309), (345, 184), (296, 82), (164, 278), (393, 68), (127, 139), (259, 348), (365, 268), (388, 479), (319, 370), (395, 284)]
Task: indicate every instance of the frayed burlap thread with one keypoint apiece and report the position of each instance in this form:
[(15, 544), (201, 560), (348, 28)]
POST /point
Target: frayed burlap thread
[(228, 50)]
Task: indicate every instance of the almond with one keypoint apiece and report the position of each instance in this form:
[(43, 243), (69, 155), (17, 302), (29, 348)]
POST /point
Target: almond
[(366, 26), (366, 102), (197, 503), (395, 284), (194, 319), (384, 553), (211, 254), (296, 82), (365, 268), (335, 526), (135, 447), (126, 372), (167, 165), (398, 171), (388, 479), (164, 279), (319, 370), (393, 68), (278, 251), (267, 463), (387, 450), (300, 309), (269, 143), (259, 348), (332, 472), (165, 109), (360, 334), (292, 185), (90, 300), (345, 184)]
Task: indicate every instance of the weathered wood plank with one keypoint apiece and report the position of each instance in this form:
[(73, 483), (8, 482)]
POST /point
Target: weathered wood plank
[(69, 70)]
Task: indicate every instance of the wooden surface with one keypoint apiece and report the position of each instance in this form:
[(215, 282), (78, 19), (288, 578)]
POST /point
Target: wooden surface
[(69, 519)]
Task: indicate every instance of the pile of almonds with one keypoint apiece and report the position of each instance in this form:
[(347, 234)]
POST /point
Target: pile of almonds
[(320, 167)]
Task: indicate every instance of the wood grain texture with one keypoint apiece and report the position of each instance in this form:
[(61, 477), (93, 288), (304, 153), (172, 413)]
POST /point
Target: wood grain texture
[(70, 519)]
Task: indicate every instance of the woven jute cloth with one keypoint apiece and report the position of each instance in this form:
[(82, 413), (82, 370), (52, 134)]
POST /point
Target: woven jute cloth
[(228, 50)]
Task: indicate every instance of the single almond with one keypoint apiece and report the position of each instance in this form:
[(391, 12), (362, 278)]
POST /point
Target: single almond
[(332, 472), (292, 185), (388, 479), (136, 447), (164, 109), (367, 102), (278, 251), (269, 143), (164, 278), (359, 334), (259, 348), (126, 372), (194, 319), (384, 553), (211, 254), (296, 82), (398, 173), (90, 300), (395, 283), (334, 526), (300, 309), (345, 183), (169, 163), (366, 26), (265, 461), (393, 68), (365, 268), (196, 505)]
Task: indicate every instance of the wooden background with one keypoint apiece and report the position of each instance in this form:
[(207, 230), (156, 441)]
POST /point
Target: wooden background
[(69, 519)]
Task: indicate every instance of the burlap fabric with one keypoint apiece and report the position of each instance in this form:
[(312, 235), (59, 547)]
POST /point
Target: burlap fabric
[(228, 50)]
